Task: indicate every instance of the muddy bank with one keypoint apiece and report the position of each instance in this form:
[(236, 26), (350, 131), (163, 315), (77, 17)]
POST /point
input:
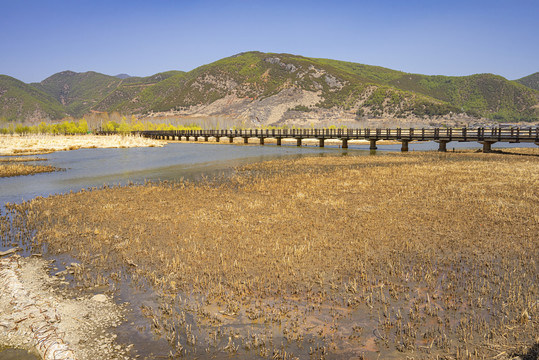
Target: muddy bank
[(38, 315)]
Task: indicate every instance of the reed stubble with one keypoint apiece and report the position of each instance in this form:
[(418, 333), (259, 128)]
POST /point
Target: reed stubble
[(422, 255)]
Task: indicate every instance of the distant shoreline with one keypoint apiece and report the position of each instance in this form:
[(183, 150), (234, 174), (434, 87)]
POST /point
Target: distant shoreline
[(11, 145)]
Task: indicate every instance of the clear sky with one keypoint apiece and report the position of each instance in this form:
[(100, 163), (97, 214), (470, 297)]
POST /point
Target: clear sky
[(451, 37)]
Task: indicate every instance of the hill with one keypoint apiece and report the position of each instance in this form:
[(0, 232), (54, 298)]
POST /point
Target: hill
[(281, 88), (78, 92), (82, 92), (531, 81), (22, 101), (285, 89)]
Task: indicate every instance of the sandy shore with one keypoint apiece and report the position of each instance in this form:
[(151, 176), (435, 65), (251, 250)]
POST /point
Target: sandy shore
[(42, 144), (36, 315)]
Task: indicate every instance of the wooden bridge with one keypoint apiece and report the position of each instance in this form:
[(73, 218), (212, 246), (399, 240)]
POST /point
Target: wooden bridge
[(485, 136)]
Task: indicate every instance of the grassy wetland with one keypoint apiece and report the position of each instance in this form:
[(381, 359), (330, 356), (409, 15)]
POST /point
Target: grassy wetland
[(16, 166), (419, 255)]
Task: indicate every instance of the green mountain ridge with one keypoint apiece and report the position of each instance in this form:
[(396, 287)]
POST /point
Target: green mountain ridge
[(20, 101), (531, 81), (274, 88)]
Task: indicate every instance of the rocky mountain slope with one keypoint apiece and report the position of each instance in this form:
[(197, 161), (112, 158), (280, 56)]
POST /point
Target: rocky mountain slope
[(278, 89)]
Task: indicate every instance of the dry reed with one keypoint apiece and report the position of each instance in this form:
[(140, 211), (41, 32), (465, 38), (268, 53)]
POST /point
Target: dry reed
[(8, 170), (422, 255)]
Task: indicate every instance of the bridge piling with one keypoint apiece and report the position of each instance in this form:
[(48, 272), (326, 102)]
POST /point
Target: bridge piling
[(443, 146), (373, 144), (298, 140), (246, 140), (487, 146), (345, 143), (231, 139), (261, 141), (279, 141), (404, 147), (321, 142)]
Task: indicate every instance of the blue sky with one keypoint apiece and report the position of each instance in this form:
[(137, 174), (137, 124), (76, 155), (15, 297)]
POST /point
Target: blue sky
[(40, 38)]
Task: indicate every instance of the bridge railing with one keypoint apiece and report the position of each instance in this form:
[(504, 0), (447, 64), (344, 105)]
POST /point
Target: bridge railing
[(411, 134)]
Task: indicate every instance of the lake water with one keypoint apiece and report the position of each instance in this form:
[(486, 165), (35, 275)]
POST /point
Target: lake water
[(86, 168)]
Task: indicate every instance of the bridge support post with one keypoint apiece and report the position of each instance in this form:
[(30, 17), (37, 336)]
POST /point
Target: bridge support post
[(246, 140), (298, 140), (278, 141), (373, 144), (345, 143), (196, 138), (206, 138), (231, 139), (321, 142), (261, 141), (404, 146), (443, 146), (487, 146), (217, 138)]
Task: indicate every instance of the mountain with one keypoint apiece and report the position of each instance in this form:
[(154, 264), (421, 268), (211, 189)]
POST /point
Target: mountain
[(285, 89), (122, 76), (82, 92), (22, 101), (126, 95), (531, 81), (78, 92)]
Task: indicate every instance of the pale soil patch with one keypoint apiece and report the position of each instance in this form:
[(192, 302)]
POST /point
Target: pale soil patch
[(42, 144), (36, 315)]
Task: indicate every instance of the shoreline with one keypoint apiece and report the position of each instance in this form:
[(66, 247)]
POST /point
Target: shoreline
[(38, 316), (16, 145)]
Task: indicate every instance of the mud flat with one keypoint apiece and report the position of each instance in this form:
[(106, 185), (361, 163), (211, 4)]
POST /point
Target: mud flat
[(36, 315), (422, 255), (42, 144)]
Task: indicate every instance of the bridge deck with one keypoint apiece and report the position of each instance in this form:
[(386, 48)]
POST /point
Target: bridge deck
[(487, 137)]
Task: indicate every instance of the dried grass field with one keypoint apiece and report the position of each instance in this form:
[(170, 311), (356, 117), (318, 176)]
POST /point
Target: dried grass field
[(419, 255), (44, 144)]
